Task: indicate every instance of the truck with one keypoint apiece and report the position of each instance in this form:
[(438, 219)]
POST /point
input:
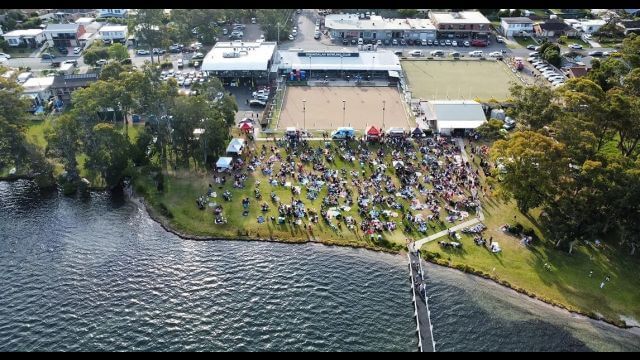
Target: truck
[(343, 133)]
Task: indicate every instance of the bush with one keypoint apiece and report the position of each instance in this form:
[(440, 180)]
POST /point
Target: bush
[(166, 65)]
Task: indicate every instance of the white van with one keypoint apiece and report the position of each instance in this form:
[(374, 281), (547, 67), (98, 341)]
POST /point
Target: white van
[(476, 53), (416, 53)]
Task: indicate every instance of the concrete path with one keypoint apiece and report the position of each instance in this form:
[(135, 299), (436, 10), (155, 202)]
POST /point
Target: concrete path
[(418, 244)]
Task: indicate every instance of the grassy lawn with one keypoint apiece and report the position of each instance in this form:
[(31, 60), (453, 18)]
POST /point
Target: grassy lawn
[(182, 189), (567, 282), (524, 41)]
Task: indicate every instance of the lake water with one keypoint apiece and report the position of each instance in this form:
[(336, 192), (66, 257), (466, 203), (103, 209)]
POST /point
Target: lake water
[(97, 273)]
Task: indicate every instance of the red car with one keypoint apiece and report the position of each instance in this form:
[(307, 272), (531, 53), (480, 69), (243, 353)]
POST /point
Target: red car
[(478, 43)]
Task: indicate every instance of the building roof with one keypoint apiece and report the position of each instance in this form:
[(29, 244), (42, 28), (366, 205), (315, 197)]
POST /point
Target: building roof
[(231, 56), (577, 71), (85, 20), (517, 20), (462, 17), (224, 162), (37, 84), (235, 145), (554, 25), (74, 80), (631, 11), (62, 27), (383, 60), (25, 32), (353, 22), (595, 22), (114, 28), (455, 114), (629, 24)]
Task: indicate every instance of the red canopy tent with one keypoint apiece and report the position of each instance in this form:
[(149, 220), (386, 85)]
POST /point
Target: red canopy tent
[(246, 127), (373, 133)]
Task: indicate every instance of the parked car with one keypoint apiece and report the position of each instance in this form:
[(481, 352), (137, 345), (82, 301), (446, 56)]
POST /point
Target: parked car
[(379, 42), (6, 56), (343, 133), (345, 41), (225, 31), (253, 20), (531, 47), (47, 56), (499, 39), (180, 63), (101, 62), (596, 53), (63, 50), (454, 43), (435, 43), (575, 46), (142, 52), (437, 53), (394, 41), (535, 53), (447, 42), (466, 43), (317, 35), (291, 38), (198, 55), (157, 51), (77, 50), (416, 53), (74, 62), (495, 54), (430, 42), (258, 103), (403, 42)]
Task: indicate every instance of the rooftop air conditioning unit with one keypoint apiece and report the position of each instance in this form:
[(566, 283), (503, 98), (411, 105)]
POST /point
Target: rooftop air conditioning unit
[(231, 54)]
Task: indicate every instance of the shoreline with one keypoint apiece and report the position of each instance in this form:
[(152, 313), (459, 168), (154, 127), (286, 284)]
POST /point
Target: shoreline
[(139, 201)]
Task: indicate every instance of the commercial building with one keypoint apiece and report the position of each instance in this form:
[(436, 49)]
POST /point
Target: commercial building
[(516, 26), (453, 117), (350, 26), (338, 64), (241, 62), (463, 24)]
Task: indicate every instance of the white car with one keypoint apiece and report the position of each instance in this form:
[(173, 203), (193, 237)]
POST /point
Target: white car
[(77, 50), (6, 56), (575, 46), (495, 54), (454, 43), (187, 82), (416, 53), (532, 59), (142, 52), (535, 53), (291, 37)]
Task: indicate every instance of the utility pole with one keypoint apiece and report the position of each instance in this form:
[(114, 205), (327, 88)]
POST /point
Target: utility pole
[(344, 110), (383, 106), (304, 114), (278, 25)]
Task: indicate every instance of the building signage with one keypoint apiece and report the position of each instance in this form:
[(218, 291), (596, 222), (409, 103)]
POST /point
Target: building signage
[(327, 54)]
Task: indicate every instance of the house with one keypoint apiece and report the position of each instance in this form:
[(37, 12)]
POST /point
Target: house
[(86, 21), (629, 26), (516, 26), (114, 33), (114, 13), (632, 12), (554, 27), (463, 23), (576, 71), (67, 35), (453, 117), (32, 38), (64, 85), (38, 89), (589, 26)]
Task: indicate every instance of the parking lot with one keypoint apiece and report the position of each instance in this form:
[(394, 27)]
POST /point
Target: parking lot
[(324, 108), (458, 79)]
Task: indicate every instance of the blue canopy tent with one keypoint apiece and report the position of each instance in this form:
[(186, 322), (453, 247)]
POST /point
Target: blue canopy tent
[(223, 163)]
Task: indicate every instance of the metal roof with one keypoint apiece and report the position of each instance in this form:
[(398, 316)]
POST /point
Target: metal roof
[(455, 114), (250, 56)]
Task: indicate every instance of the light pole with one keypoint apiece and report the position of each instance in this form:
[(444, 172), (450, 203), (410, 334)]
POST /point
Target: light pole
[(344, 110), (278, 25), (304, 114), (383, 107)]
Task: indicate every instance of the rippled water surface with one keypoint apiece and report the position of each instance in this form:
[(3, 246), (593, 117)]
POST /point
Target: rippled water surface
[(99, 274)]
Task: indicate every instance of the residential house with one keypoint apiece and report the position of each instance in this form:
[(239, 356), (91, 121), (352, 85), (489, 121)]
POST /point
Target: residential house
[(516, 26), (85, 21), (114, 33), (350, 26), (32, 38), (461, 24), (554, 27), (38, 89), (64, 85), (629, 26), (107, 13), (632, 12), (67, 35), (589, 26), (576, 71)]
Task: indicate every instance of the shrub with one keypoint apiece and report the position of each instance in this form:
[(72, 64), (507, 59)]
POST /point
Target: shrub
[(165, 211), (430, 255), (166, 65)]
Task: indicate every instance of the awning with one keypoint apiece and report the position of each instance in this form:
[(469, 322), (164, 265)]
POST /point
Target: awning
[(393, 73), (472, 124)]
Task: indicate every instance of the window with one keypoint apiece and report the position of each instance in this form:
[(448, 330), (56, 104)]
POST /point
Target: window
[(13, 41), (117, 11), (462, 26)]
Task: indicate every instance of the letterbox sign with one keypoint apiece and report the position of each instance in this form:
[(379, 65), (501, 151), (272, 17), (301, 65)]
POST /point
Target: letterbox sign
[(328, 54)]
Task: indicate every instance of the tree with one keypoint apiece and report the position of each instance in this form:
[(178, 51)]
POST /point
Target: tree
[(149, 28), (534, 106), (63, 142), (111, 71), (408, 13), (274, 22), (118, 51), (108, 153), (631, 49), (552, 55), (533, 164), (189, 113), (491, 130), (632, 82)]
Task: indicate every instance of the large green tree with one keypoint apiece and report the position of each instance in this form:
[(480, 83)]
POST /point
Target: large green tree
[(107, 153)]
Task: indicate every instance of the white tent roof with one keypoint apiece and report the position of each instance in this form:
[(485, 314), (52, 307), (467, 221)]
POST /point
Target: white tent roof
[(224, 162), (250, 56), (455, 114), (235, 145)]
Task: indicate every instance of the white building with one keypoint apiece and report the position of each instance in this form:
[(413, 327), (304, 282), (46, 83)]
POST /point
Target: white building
[(591, 26), (64, 34), (38, 89), (114, 33), (106, 13), (85, 21), (350, 26), (29, 37), (451, 117), (233, 61), (314, 63), (516, 26)]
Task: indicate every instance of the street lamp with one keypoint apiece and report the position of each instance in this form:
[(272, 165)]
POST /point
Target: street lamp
[(383, 107), (344, 110), (304, 114), (278, 25)]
